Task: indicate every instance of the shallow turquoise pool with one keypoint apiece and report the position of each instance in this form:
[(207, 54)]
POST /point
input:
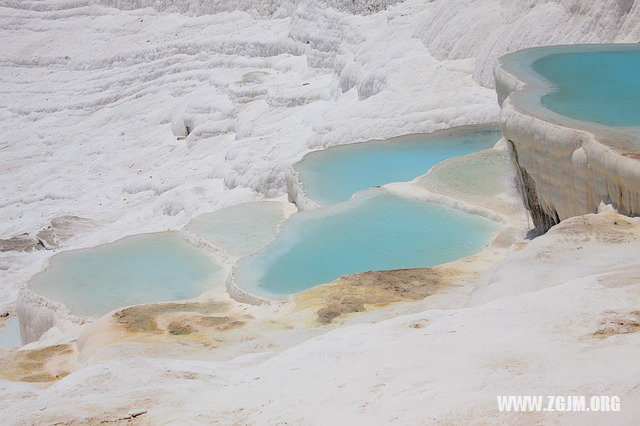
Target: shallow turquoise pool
[(596, 86), (242, 229), (375, 231), (335, 174), (139, 269)]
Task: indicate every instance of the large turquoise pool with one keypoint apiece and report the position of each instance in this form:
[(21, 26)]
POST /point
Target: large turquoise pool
[(335, 174), (599, 86), (143, 268), (375, 231)]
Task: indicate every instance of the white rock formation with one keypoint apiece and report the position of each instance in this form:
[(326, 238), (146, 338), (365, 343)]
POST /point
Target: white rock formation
[(568, 167), (96, 98)]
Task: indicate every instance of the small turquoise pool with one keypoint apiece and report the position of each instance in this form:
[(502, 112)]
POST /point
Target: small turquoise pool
[(375, 231), (143, 268), (600, 86), (335, 174), (10, 333)]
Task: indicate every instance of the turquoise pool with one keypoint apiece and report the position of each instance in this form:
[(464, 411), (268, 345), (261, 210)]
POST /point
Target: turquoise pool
[(143, 268), (375, 231), (600, 86), (335, 174)]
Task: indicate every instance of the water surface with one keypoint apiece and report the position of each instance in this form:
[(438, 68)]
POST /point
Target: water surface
[(10, 333), (242, 229), (143, 268), (335, 174), (595, 86), (375, 231)]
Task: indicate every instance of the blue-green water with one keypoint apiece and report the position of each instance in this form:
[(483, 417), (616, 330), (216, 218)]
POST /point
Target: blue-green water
[(10, 333), (242, 229), (335, 174), (375, 231), (140, 269), (595, 86)]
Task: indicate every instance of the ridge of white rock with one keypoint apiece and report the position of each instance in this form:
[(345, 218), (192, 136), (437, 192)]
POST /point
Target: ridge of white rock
[(45, 320)]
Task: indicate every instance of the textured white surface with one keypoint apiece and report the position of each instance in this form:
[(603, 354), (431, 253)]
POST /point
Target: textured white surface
[(488, 29)]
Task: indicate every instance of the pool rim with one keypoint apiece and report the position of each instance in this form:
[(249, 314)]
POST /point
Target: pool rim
[(531, 87)]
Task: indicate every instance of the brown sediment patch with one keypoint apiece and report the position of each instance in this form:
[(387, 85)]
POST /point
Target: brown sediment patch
[(418, 324), (343, 306), (610, 228), (230, 325), (192, 326), (410, 284), (358, 292), (144, 318), (39, 365), (618, 322), (107, 417), (193, 320), (212, 321), (182, 324), (633, 155), (20, 243), (196, 323), (178, 329), (620, 279)]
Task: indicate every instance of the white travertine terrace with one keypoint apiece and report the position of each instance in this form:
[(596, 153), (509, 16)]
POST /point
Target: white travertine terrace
[(567, 167), (93, 96)]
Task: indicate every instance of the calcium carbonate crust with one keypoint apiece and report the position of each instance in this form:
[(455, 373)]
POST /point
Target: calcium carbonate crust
[(567, 167), (296, 193), (38, 315)]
